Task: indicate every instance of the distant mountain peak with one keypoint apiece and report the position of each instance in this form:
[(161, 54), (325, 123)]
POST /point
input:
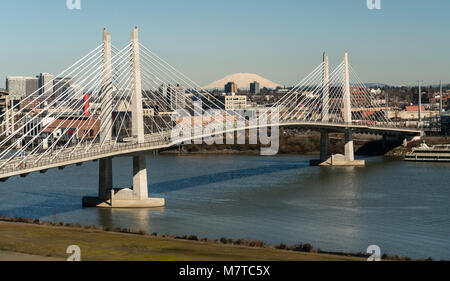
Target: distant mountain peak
[(243, 81)]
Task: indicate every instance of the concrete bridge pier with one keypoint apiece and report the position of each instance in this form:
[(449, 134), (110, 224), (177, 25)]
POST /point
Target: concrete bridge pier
[(349, 153), (140, 187), (348, 159), (105, 179), (323, 146), (135, 197)]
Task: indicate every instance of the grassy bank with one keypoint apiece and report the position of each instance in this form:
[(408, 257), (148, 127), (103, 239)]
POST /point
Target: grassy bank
[(95, 244)]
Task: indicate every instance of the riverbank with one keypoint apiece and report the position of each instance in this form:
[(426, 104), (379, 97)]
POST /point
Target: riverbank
[(308, 143), (300, 143), (35, 240), (39, 241)]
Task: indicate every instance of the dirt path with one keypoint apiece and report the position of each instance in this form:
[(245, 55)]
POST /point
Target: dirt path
[(10, 256)]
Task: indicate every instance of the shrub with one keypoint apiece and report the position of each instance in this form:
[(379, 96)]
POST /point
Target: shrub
[(193, 238), (256, 243), (302, 248)]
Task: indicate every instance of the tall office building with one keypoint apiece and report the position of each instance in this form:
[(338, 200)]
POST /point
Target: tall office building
[(61, 86), (32, 86), (45, 84), (16, 86), (254, 88), (21, 86), (176, 95), (230, 87)]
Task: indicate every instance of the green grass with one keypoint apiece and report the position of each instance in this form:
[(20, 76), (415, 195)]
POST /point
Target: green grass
[(51, 241)]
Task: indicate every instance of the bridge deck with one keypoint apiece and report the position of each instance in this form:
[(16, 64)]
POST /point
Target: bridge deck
[(70, 156)]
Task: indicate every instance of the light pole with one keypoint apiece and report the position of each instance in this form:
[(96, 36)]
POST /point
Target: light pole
[(440, 98), (420, 105)]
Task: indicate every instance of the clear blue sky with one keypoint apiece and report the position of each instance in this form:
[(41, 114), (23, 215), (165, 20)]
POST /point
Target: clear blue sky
[(281, 40)]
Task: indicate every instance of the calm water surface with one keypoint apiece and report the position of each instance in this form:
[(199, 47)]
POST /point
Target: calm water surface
[(402, 207)]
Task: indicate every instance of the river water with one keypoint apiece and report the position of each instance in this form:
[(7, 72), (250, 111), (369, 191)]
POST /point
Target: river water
[(404, 208)]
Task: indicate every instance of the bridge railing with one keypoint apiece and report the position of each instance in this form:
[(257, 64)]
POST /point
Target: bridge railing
[(80, 156)]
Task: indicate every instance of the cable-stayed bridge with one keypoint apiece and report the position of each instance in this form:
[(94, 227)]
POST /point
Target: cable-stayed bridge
[(114, 102)]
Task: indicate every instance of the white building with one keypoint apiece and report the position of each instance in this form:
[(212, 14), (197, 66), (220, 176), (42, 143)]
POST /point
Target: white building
[(16, 86), (21, 86), (234, 102), (175, 96)]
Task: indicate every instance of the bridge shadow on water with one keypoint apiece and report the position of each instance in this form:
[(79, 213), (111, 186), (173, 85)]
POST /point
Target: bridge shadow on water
[(52, 205), (179, 184), (55, 204)]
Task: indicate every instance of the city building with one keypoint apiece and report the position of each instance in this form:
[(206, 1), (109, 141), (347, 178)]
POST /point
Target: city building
[(175, 94), (4, 97), (231, 87), (65, 127), (61, 86), (359, 94), (235, 102), (445, 124), (16, 86), (8, 115), (31, 86), (254, 88), (45, 84), (21, 86)]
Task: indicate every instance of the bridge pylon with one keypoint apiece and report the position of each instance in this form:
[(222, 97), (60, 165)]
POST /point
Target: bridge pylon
[(325, 109), (105, 180), (348, 159), (137, 197)]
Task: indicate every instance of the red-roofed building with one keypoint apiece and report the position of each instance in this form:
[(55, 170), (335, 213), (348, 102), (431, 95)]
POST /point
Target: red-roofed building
[(414, 108), (69, 127)]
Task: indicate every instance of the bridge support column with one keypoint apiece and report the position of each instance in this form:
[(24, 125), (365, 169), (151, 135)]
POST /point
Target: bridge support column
[(323, 146), (140, 187), (348, 147), (105, 179)]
